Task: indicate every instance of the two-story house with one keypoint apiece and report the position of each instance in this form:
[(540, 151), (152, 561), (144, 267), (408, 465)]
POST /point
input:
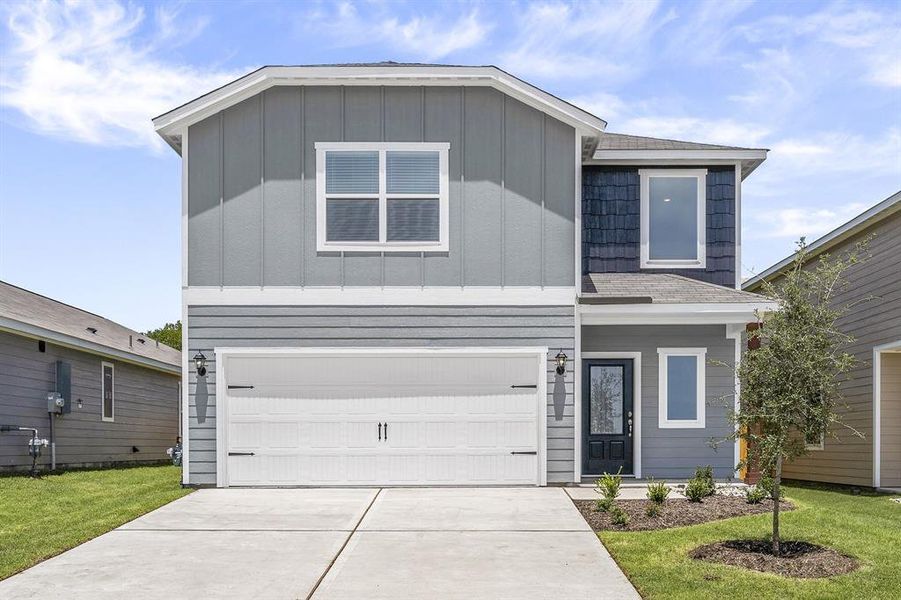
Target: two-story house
[(433, 275)]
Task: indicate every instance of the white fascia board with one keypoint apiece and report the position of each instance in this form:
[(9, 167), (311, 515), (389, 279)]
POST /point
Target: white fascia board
[(881, 211), (169, 125), (68, 341), (381, 296), (662, 314)]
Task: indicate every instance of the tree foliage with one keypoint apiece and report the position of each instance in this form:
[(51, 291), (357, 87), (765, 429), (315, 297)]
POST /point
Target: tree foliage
[(791, 382), (169, 334)]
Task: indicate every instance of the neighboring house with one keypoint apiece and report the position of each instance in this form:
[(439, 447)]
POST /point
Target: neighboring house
[(118, 389), (422, 274), (873, 392)]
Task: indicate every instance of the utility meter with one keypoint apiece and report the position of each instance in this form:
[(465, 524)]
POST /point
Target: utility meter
[(55, 402)]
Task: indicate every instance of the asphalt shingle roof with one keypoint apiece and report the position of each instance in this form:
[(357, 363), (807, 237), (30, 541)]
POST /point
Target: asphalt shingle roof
[(659, 288), (33, 309), (620, 141)]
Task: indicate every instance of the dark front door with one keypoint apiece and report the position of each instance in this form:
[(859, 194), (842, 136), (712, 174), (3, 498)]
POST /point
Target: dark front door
[(607, 416)]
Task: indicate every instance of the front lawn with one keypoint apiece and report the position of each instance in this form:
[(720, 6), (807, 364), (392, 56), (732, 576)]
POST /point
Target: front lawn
[(866, 527), (40, 518)]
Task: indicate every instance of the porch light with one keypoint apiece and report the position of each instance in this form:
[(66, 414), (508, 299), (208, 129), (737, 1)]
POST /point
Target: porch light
[(560, 359), (200, 364)]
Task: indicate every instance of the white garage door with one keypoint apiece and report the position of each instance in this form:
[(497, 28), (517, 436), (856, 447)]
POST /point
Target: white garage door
[(393, 418)]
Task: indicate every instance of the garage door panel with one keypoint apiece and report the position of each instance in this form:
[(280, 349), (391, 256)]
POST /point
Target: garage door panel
[(450, 420)]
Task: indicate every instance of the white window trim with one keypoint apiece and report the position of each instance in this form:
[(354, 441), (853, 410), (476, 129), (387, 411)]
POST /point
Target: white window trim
[(662, 421), (322, 245), (103, 365), (645, 177)]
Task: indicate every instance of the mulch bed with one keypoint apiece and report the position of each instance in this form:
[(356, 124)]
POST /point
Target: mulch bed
[(675, 512), (798, 559)]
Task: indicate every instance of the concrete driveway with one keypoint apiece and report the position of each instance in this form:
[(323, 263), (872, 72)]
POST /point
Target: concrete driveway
[(337, 544)]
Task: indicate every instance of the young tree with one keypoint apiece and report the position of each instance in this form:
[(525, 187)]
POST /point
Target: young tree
[(791, 381), (169, 334)]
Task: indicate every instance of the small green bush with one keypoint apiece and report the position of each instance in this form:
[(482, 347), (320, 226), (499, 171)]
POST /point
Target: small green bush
[(618, 516), (705, 475), (608, 485), (696, 490), (657, 491), (653, 510), (603, 504), (766, 484), (755, 495)]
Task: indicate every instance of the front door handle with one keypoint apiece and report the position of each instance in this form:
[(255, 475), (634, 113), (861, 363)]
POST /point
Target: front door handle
[(380, 432), (630, 423)]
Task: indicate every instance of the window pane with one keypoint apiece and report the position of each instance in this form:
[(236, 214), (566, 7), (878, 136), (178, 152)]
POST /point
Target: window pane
[(673, 218), (682, 388), (107, 392), (413, 220), (351, 172), (606, 396), (352, 220), (412, 172)]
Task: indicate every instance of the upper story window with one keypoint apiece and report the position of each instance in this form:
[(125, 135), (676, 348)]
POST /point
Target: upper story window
[(673, 218), (381, 196)]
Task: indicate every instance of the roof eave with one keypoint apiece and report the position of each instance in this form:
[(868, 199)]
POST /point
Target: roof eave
[(750, 158)]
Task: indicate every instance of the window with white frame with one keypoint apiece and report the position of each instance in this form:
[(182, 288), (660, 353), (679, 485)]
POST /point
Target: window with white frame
[(108, 391), (673, 218), (681, 387), (814, 440), (381, 196)]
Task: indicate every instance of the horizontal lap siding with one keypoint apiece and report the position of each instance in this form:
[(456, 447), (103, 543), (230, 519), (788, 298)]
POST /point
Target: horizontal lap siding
[(874, 286), (146, 407), (317, 326), (675, 453)]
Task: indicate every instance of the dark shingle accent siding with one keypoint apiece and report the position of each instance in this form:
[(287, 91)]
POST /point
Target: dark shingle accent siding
[(611, 229)]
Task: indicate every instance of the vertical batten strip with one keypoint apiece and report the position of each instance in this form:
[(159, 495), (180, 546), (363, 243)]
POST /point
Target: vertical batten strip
[(542, 265), (422, 139), (503, 187), (262, 189), (382, 139), (303, 190), (462, 185), (221, 199)]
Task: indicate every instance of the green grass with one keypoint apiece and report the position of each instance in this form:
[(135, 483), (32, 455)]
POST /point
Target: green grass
[(866, 527), (40, 518)]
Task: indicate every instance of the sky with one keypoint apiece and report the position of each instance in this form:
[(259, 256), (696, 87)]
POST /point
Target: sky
[(90, 196)]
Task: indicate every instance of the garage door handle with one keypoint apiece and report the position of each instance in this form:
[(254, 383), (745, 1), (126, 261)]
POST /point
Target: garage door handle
[(531, 387), (240, 454), (380, 432), (240, 387), (386, 432), (530, 452)]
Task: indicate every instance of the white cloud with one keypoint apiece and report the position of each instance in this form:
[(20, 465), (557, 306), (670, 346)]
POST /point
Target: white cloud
[(92, 72), (795, 223), (427, 38), (729, 132)]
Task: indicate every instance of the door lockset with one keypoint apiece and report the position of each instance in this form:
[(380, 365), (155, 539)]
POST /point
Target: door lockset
[(630, 423)]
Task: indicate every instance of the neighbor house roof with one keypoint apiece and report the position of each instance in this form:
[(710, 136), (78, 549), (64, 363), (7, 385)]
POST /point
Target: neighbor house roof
[(858, 224), (171, 125), (40, 317), (629, 148), (658, 288)]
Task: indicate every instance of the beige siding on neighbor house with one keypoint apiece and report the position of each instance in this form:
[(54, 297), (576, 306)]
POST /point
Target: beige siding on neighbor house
[(891, 420), (847, 458)]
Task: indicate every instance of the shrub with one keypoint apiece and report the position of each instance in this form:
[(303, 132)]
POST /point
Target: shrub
[(657, 491), (653, 510), (696, 490), (755, 495), (603, 504), (705, 475), (766, 484), (618, 516), (608, 485)]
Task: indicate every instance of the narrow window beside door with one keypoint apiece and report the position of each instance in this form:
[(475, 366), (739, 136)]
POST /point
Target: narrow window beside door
[(682, 387), (108, 385)]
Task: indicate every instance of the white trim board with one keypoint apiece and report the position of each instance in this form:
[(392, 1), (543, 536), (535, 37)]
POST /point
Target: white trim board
[(540, 354), (714, 313), (381, 296), (637, 401), (877, 407)]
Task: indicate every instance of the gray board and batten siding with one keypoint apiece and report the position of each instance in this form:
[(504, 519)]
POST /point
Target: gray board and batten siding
[(252, 189), (674, 453), (145, 410), (611, 227), (378, 326)]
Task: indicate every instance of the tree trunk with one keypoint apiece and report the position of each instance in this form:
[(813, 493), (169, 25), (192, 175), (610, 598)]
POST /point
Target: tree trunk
[(777, 493)]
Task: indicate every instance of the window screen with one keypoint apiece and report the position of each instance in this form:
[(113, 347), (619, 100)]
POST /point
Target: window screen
[(682, 388), (352, 220), (673, 218), (413, 220)]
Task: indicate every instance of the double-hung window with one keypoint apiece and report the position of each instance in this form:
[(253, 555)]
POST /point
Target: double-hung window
[(681, 398), (381, 197), (673, 218)]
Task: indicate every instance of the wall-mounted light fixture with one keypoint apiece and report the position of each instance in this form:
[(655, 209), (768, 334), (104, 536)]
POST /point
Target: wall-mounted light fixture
[(200, 364), (560, 359)]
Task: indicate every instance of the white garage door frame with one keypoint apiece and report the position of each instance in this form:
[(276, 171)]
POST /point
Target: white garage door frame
[(539, 353)]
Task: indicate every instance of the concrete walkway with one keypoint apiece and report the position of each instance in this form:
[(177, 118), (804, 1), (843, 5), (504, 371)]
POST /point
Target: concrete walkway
[(340, 543)]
